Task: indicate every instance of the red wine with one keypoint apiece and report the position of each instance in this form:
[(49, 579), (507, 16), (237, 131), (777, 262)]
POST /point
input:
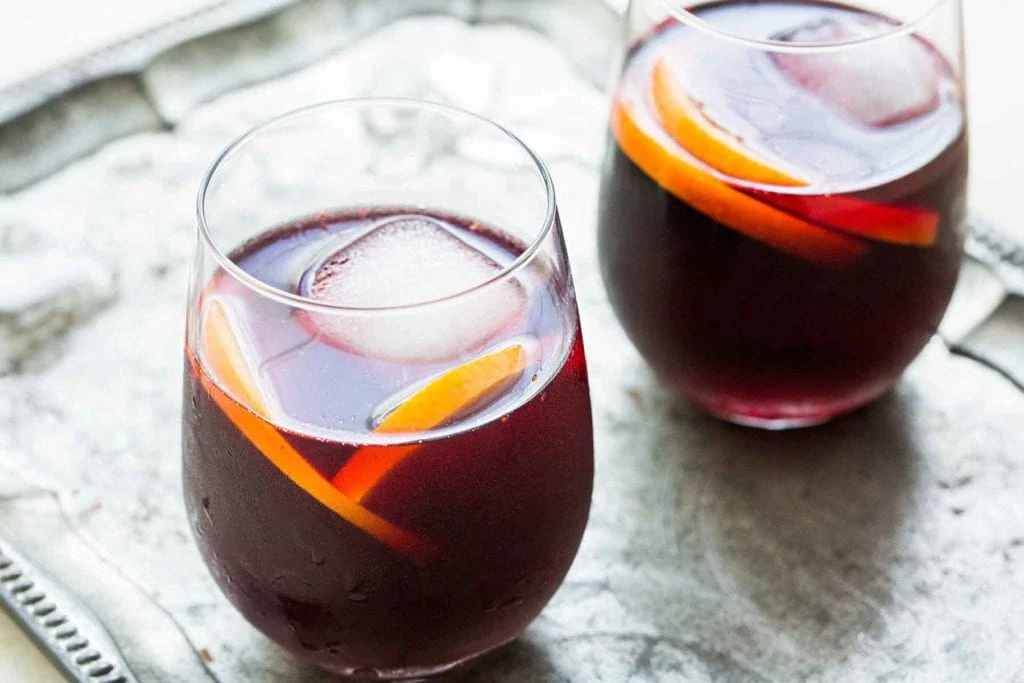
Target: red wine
[(780, 232), (486, 515)]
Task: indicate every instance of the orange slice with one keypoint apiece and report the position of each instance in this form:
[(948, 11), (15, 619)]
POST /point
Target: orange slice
[(444, 397), (682, 118), (912, 225), (226, 358), (684, 121), (727, 205)]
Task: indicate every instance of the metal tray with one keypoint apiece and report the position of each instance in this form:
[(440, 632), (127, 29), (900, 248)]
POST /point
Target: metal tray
[(886, 546)]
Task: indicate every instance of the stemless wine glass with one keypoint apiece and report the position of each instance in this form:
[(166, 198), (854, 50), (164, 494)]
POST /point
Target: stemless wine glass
[(782, 205), (388, 456)]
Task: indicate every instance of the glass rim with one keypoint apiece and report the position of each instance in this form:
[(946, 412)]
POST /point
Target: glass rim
[(287, 298), (676, 10)]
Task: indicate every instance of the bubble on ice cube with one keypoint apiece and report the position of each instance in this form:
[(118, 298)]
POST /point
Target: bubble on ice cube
[(890, 81), (405, 261)]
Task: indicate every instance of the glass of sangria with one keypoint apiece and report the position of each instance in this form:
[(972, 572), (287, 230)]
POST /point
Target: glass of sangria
[(782, 205), (388, 454)]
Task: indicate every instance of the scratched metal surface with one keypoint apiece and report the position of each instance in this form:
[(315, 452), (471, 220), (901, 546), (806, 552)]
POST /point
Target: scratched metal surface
[(887, 546)]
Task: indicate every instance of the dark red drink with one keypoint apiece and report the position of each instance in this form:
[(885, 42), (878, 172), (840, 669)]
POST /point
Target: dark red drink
[(387, 493), (781, 230)]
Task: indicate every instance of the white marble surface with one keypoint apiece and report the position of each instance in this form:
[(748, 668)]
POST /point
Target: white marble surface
[(889, 546), (22, 661), (42, 34)]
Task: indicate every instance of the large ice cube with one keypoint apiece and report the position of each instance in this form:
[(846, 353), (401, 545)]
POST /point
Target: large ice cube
[(888, 81), (412, 260)]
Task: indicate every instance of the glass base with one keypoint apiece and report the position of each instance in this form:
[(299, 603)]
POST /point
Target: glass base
[(783, 415), (411, 674), (777, 424)]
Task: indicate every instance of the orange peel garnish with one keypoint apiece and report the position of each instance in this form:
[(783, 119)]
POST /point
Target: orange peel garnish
[(223, 353), (682, 118), (444, 397), (727, 205), (684, 121), (909, 225), (227, 361)]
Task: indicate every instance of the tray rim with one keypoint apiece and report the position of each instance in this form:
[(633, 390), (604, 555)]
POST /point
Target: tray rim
[(40, 116)]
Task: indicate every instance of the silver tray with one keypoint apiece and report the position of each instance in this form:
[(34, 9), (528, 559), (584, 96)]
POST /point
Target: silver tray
[(887, 546)]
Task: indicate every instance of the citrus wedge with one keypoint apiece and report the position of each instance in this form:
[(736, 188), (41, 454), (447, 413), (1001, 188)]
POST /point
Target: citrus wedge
[(682, 118), (911, 225), (729, 206), (442, 398), (226, 359)]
